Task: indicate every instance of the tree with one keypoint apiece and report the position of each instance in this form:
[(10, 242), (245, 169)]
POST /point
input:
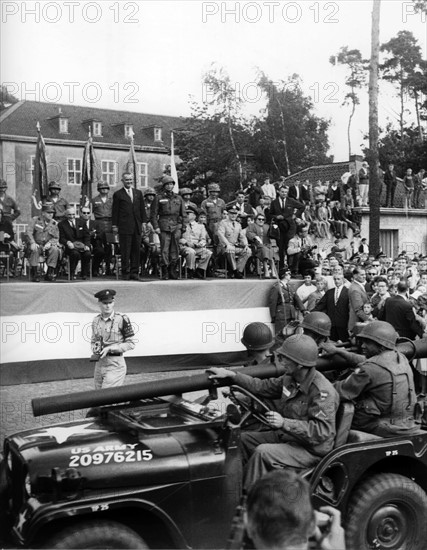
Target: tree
[(289, 137), (6, 99), (403, 61), (354, 80), (373, 158)]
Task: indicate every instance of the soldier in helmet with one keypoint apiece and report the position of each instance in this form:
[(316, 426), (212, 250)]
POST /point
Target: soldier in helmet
[(112, 336), (8, 204), (168, 218), (213, 206), (257, 339), (186, 194), (43, 241), (303, 429), (317, 325), (59, 203), (381, 386), (102, 207), (150, 242)]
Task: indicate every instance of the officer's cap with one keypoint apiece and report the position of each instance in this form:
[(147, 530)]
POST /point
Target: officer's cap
[(54, 185), (106, 295), (232, 208), (3, 184), (185, 191), (191, 208), (214, 187), (48, 207), (103, 185)]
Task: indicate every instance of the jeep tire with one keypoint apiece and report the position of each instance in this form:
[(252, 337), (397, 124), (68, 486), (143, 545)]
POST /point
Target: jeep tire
[(387, 512), (97, 534)]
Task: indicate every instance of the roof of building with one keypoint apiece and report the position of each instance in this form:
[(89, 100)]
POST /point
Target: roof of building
[(20, 120), (324, 172)]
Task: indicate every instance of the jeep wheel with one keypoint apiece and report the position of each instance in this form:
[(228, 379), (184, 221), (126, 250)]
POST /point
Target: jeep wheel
[(387, 512), (97, 534)]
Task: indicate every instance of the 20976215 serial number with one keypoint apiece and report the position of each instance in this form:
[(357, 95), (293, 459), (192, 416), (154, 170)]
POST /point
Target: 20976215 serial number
[(96, 459)]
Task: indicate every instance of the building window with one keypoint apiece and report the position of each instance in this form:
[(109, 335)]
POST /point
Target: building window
[(109, 172), (76, 207), (128, 130), (74, 171), (63, 125), (97, 129), (389, 242), (157, 134), (142, 174)]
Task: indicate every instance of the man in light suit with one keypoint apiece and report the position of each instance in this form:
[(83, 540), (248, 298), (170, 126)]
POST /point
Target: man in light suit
[(193, 245), (335, 303), (358, 297), (233, 242), (282, 212), (128, 218)]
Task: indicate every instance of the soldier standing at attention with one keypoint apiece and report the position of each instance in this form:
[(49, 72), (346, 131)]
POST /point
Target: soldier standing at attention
[(112, 335), (102, 208), (168, 217), (59, 203), (8, 204)]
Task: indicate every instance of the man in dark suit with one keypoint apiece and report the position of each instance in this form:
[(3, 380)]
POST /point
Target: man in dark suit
[(282, 212), (75, 238), (390, 180), (399, 313), (295, 191), (335, 303), (128, 217), (358, 297)]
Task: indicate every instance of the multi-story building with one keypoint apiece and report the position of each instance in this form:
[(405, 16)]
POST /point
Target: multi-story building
[(65, 130)]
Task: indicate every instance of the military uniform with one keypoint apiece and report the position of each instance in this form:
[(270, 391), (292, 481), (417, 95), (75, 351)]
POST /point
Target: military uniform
[(382, 388), (45, 233), (60, 205), (117, 329), (214, 208), (230, 233), (102, 212), (168, 214), (308, 432), (193, 246), (282, 311), (10, 208)]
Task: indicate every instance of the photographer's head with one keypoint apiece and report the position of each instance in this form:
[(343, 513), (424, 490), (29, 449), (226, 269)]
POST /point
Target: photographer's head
[(106, 301), (279, 512)]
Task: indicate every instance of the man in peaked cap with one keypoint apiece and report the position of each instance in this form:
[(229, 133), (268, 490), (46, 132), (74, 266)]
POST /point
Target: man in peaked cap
[(112, 335), (43, 241), (193, 245), (59, 203), (9, 206), (233, 242)]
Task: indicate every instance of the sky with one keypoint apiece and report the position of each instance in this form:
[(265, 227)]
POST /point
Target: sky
[(150, 56)]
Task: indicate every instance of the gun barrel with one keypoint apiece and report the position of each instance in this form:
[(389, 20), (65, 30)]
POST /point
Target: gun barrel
[(142, 390), (186, 383)]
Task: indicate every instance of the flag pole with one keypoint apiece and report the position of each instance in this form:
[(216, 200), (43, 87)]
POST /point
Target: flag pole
[(174, 173)]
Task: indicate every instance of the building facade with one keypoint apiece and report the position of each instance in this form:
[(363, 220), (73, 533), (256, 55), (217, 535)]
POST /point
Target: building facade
[(65, 129)]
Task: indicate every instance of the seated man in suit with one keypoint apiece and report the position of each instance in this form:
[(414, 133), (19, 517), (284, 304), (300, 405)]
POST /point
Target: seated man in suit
[(193, 245), (233, 242), (75, 238)]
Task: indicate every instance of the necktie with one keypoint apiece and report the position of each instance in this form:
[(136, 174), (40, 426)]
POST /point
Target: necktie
[(130, 194), (337, 294), (283, 204), (234, 225)]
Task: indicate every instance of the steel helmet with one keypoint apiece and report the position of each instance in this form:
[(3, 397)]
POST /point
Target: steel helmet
[(3, 184), (149, 191), (317, 322), (185, 191), (54, 185), (300, 348), (167, 179), (103, 185), (257, 336), (214, 187), (380, 332)]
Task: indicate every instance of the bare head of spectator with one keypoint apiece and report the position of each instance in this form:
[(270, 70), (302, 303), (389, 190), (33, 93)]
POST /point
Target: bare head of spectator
[(402, 288), (280, 515), (359, 275), (381, 286)]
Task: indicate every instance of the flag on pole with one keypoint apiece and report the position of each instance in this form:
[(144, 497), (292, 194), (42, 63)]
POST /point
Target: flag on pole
[(40, 168), (89, 172), (132, 165), (174, 173)]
